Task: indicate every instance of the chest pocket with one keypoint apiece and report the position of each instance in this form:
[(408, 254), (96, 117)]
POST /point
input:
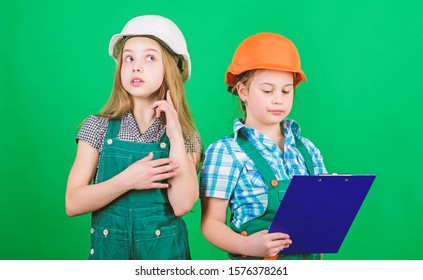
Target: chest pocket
[(113, 164)]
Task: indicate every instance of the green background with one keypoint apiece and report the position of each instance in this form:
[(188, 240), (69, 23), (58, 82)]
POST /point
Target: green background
[(361, 106)]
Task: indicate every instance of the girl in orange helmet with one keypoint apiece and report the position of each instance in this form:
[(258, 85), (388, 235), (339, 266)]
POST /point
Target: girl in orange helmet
[(238, 169)]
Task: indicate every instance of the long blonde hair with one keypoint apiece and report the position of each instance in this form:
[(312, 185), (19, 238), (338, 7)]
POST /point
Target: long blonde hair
[(120, 102)]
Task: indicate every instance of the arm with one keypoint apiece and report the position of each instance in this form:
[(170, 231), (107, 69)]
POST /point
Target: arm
[(81, 197), (183, 191), (215, 230)]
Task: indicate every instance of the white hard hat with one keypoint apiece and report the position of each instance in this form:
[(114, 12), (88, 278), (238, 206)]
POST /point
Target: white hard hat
[(161, 28)]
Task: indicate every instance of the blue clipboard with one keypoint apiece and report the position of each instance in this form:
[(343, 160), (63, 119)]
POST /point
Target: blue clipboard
[(317, 211)]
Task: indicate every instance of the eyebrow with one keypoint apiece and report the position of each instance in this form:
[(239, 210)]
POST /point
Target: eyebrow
[(270, 84), (146, 50)]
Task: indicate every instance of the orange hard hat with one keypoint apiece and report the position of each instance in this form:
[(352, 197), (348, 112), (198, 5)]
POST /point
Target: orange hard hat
[(265, 51)]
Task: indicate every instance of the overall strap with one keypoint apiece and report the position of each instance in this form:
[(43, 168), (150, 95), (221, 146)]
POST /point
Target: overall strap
[(258, 160), (164, 138), (306, 155), (261, 163), (113, 128)]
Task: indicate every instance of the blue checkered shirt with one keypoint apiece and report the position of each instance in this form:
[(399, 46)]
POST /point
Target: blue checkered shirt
[(228, 173)]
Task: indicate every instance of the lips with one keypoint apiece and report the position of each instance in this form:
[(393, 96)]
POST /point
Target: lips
[(137, 82), (276, 112)]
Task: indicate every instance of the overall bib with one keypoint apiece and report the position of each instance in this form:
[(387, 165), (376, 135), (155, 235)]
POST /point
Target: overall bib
[(138, 224), (276, 192)]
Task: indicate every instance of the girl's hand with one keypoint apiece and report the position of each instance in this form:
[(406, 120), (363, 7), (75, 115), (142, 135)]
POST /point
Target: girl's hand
[(264, 244), (144, 173), (173, 127)]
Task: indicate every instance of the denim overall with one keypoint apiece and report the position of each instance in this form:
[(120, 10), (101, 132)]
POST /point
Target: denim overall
[(276, 192), (140, 224)]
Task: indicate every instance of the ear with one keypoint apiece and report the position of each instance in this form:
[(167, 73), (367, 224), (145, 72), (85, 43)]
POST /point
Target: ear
[(242, 91)]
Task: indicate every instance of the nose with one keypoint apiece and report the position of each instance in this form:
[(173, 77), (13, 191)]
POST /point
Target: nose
[(137, 68), (278, 98)]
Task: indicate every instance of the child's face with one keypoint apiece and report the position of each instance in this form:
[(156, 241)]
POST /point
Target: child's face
[(142, 69), (269, 97)]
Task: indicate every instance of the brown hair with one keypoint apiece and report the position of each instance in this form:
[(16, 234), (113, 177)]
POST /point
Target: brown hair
[(244, 78)]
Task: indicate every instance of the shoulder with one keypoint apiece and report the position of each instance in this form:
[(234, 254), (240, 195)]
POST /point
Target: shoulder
[(291, 126), (307, 142), (225, 150), (225, 144), (93, 131), (317, 158), (95, 121), (94, 124), (311, 147)]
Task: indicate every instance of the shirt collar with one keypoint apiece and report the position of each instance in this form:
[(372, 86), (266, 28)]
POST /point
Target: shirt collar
[(290, 128), (238, 125)]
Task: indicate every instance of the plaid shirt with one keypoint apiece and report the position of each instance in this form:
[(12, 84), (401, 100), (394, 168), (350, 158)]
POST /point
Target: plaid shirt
[(228, 173), (94, 130)]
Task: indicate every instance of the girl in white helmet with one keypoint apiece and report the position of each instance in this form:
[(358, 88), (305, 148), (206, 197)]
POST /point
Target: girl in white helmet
[(136, 163), (250, 170)]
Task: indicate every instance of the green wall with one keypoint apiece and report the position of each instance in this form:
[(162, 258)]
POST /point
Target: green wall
[(360, 106)]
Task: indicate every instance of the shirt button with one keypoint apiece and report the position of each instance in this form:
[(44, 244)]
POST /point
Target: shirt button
[(105, 232), (109, 141), (92, 230), (158, 233), (274, 182), (92, 251), (163, 145)]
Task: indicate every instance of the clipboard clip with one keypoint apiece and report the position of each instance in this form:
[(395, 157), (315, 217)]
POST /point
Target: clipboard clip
[(334, 174)]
